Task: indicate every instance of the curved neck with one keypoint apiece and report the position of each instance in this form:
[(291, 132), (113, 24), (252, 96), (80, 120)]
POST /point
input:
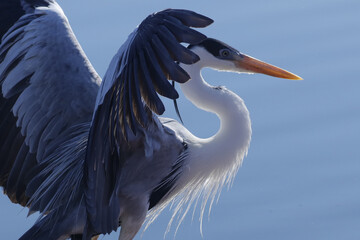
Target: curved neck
[(231, 141)]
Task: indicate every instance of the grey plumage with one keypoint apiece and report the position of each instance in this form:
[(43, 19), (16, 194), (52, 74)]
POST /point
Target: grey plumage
[(69, 146)]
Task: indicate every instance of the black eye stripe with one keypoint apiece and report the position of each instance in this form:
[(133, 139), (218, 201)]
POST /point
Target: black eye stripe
[(214, 46)]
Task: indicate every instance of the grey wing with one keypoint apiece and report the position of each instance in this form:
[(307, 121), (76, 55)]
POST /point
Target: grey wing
[(48, 87), (124, 121)]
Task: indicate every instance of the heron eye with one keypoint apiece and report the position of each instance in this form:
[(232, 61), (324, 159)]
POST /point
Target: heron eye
[(224, 52)]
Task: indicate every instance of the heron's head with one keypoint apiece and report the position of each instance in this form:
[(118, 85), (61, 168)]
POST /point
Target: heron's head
[(218, 55)]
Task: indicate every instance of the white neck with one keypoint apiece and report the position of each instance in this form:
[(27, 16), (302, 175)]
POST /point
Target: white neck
[(211, 162), (220, 155)]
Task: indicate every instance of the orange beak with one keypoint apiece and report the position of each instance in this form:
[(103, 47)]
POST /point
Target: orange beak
[(256, 66)]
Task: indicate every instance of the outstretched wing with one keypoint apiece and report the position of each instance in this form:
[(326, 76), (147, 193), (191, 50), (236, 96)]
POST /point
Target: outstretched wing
[(127, 99), (48, 87)]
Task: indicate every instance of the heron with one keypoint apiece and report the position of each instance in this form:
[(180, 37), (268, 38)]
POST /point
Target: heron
[(92, 155)]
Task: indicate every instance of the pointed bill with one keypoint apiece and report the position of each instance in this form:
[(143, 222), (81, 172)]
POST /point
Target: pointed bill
[(254, 65)]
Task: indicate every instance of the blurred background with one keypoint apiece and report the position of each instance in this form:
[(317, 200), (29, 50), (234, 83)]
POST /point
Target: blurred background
[(301, 178)]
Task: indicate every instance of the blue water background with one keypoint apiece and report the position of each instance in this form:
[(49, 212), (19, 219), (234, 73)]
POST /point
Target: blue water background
[(301, 178)]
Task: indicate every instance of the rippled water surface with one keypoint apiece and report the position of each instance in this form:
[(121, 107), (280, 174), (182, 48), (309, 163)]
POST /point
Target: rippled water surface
[(302, 175)]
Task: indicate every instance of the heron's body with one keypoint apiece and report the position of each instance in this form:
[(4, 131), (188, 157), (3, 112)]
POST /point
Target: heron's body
[(91, 155)]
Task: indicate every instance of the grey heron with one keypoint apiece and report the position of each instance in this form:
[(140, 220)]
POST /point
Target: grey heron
[(91, 155)]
